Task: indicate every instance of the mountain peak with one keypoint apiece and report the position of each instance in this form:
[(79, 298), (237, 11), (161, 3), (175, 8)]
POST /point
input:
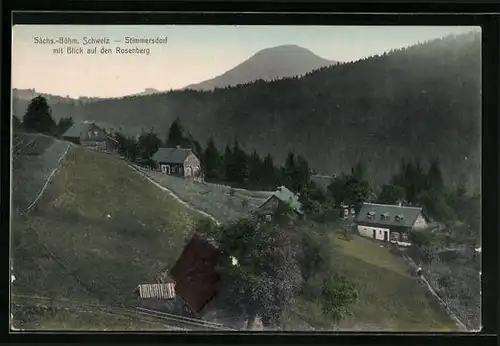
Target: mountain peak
[(268, 64)]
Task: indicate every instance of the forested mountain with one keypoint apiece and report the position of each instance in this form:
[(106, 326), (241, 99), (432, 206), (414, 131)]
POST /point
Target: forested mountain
[(267, 64), (422, 101)]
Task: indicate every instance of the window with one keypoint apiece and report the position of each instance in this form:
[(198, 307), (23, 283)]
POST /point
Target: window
[(379, 232)]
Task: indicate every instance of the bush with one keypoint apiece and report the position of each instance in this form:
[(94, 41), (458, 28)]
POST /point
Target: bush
[(337, 294), (268, 274)]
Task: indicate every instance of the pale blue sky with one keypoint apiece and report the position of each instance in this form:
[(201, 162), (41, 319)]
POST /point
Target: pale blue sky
[(192, 54)]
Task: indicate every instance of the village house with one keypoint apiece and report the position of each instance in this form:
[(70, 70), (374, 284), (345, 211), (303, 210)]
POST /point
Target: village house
[(281, 197), (390, 223), (178, 162), (91, 136)]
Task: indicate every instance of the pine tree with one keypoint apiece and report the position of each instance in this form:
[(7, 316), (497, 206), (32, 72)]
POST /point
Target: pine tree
[(269, 173), (289, 171), (302, 174), (408, 182), (175, 135), (228, 164), (391, 194), (128, 147), (255, 166), (419, 178), (213, 162), (239, 165), (38, 116), (148, 144), (434, 176)]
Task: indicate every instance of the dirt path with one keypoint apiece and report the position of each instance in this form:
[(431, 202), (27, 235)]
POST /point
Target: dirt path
[(49, 179), (173, 195), (35, 160), (457, 321)]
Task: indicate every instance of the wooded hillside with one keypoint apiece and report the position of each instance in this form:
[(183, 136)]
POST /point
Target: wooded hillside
[(422, 101)]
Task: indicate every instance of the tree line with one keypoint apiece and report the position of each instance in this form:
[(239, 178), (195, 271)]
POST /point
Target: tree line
[(411, 185), (232, 166), (373, 111)]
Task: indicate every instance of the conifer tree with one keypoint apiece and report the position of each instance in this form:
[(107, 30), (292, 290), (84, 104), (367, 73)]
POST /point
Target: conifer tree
[(38, 117), (175, 135), (213, 162)]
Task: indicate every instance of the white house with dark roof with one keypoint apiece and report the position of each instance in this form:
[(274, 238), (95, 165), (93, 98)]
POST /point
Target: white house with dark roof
[(390, 223), (180, 162)]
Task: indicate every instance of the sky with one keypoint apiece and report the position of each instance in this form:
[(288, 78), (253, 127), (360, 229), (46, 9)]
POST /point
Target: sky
[(192, 53)]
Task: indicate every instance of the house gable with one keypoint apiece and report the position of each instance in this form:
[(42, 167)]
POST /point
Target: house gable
[(420, 221), (84, 131), (281, 196)]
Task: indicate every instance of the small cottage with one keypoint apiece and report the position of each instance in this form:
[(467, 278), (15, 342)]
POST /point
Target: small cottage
[(390, 223), (179, 162), (91, 136), (282, 196)]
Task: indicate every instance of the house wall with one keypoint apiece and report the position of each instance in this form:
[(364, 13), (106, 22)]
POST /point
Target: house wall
[(367, 231), (192, 166), (269, 207), (100, 146), (420, 222), (175, 169)]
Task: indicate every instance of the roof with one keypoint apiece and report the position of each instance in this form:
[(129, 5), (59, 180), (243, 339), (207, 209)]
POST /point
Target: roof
[(171, 155), (196, 279), (79, 128), (158, 291), (388, 215), (288, 197)]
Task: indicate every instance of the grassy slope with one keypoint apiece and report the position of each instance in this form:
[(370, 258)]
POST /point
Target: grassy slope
[(67, 247), (390, 298), (214, 200)]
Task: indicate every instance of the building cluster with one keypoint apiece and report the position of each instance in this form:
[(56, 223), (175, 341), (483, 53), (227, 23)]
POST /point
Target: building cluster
[(194, 276)]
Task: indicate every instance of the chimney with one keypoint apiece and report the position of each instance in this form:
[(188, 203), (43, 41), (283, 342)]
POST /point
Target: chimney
[(177, 146)]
